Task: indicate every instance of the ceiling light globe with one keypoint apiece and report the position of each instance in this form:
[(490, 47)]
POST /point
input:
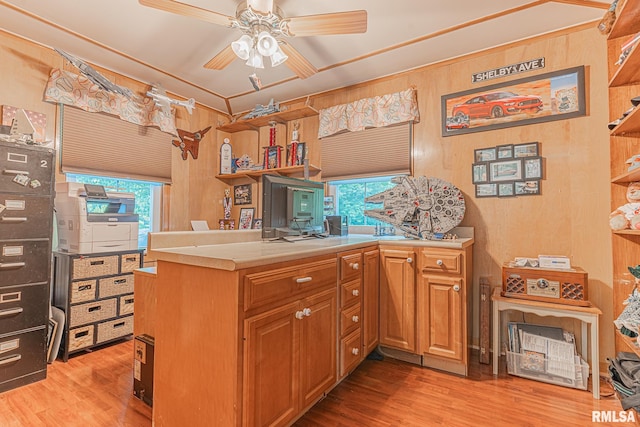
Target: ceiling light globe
[(242, 47), (278, 57), (267, 44), (255, 59)]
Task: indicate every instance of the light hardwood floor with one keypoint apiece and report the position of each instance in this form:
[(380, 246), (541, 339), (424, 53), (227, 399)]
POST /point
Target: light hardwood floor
[(95, 389)]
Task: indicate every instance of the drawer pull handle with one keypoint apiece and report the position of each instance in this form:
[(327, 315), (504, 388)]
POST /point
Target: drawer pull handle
[(99, 262), (84, 288), (354, 265), (409, 260), (14, 219), (355, 319), (306, 312), (355, 351), (131, 259), (81, 334), (15, 172), (7, 265), (128, 301), (299, 315), (355, 292), (11, 311), (439, 262), (96, 308), (304, 279), (456, 288), (118, 325), (120, 281), (11, 359), (10, 297)]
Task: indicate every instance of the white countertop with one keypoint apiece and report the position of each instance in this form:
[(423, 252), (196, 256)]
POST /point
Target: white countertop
[(235, 256)]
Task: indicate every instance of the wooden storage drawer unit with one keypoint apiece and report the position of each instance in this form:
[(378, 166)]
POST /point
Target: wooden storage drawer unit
[(81, 337), (350, 352), (116, 285), (24, 261), (288, 282), (84, 290), (350, 266), (435, 261), (129, 262), (113, 329), (22, 354), (25, 217), (92, 312), (350, 293), (20, 307), (350, 319), (125, 306), (94, 266)]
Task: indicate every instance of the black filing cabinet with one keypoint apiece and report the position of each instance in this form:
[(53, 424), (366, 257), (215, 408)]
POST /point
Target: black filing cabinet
[(26, 221)]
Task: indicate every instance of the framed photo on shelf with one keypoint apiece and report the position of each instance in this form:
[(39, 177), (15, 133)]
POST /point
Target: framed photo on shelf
[(257, 224), (242, 194), (272, 157), (246, 218), (532, 167), (508, 170)]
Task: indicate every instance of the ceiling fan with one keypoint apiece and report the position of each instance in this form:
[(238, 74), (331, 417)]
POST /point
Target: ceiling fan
[(264, 26)]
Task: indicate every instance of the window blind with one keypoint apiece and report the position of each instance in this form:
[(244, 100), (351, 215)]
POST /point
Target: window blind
[(100, 144), (371, 152)]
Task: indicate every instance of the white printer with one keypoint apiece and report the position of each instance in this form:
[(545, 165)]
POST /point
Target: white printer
[(90, 219)]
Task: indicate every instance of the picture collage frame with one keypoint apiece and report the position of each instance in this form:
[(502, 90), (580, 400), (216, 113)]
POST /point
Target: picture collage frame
[(508, 170)]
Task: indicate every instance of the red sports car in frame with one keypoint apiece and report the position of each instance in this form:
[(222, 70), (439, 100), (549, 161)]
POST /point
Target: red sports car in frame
[(497, 104)]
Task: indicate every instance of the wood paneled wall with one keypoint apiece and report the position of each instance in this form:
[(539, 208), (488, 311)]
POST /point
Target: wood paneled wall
[(569, 218)]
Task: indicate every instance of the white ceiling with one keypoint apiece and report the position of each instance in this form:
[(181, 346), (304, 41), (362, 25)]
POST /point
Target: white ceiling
[(151, 46)]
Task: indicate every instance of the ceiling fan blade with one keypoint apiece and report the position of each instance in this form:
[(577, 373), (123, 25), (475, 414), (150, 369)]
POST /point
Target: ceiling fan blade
[(328, 23), (225, 57), (190, 11), (298, 63)]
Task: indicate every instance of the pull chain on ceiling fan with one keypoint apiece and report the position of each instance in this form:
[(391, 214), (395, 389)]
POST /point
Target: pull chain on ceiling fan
[(264, 28)]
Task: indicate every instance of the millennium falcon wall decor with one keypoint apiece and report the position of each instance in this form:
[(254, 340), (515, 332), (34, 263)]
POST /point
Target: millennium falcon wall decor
[(419, 206)]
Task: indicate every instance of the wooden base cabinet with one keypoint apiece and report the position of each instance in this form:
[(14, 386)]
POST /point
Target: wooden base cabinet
[(370, 300)]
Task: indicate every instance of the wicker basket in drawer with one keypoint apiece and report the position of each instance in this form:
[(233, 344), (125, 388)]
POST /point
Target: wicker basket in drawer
[(92, 312), (116, 285), (80, 337), (126, 305), (129, 262), (95, 266), (84, 290), (115, 329)]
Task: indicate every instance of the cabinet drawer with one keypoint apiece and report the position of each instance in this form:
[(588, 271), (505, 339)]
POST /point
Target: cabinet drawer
[(350, 266), (25, 170), (92, 312), (116, 285), (350, 352), (125, 305), (350, 319), (23, 307), (94, 266), (81, 337), (350, 293), (114, 329), (84, 290), (441, 261), (25, 217), (22, 354), (24, 262), (129, 262), (285, 283)]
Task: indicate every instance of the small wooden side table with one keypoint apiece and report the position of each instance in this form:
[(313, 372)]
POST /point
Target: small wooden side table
[(587, 315)]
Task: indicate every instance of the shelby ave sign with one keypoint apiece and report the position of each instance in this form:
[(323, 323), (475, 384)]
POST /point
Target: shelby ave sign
[(520, 67)]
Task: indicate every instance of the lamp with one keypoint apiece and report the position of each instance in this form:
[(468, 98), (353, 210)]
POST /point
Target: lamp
[(255, 59), (242, 47), (278, 57), (252, 48), (267, 44)]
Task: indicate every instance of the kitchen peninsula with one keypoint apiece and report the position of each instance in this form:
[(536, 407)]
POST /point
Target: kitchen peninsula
[(254, 332)]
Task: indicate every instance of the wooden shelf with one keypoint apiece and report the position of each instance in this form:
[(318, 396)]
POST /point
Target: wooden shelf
[(627, 22), (627, 232), (628, 72), (257, 174), (630, 125), (279, 117), (631, 343), (632, 176)]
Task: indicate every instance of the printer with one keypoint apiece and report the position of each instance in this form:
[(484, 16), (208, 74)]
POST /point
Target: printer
[(90, 219)]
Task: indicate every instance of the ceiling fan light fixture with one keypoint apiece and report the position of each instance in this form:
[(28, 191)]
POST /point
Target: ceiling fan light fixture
[(263, 6), (278, 57), (255, 59), (267, 44), (242, 47)]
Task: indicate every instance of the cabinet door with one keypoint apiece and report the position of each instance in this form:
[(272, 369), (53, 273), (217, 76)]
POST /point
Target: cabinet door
[(370, 285), (271, 366), (442, 330), (397, 299), (318, 340)]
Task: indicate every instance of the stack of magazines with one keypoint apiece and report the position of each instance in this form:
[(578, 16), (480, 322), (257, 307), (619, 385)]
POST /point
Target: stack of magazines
[(545, 353)]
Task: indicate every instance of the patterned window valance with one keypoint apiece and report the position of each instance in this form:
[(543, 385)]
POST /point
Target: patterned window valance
[(78, 91), (378, 111)]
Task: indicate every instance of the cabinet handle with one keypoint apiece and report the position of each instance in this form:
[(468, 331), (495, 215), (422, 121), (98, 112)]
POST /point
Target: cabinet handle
[(456, 288), (119, 281), (8, 265), (354, 265), (306, 312), (299, 315), (11, 359), (355, 292), (355, 351), (98, 262), (304, 279), (11, 311), (439, 262), (355, 319), (14, 219), (15, 172), (409, 260)]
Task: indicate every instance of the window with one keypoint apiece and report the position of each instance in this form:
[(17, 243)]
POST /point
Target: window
[(148, 199), (350, 194)]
